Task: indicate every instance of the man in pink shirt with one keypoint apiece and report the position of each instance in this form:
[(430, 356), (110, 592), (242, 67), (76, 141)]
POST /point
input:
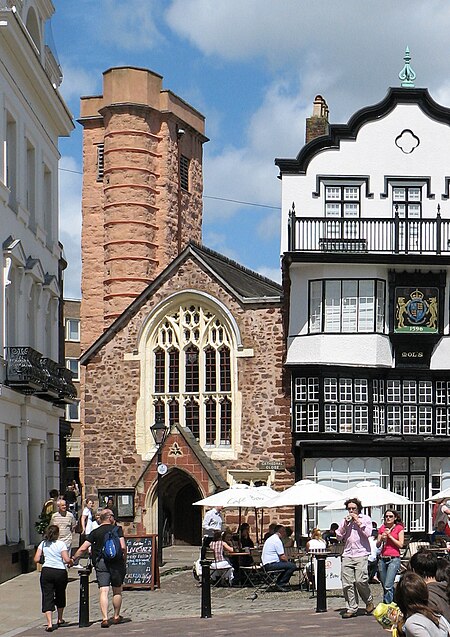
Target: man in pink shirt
[(355, 530)]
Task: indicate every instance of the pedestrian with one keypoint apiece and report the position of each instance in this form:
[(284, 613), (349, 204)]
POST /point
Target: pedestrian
[(425, 564), (71, 498), (54, 577), (355, 530), (87, 517), (411, 595), (65, 521), (109, 572), (391, 537)]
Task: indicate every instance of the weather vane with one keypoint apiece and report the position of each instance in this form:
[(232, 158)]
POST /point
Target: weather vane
[(407, 74)]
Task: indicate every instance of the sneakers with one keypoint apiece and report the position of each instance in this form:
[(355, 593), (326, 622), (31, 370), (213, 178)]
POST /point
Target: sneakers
[(370, 607), (348, 614)]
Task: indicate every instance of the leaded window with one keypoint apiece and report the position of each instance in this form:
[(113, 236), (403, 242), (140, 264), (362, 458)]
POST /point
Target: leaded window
[(379, 406), (192, 373)]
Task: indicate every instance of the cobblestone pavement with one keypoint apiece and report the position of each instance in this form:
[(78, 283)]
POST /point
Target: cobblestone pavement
[(174, 609)]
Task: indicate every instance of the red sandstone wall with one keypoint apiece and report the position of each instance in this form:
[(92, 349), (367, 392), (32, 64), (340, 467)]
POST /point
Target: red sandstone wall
[(112, 387)]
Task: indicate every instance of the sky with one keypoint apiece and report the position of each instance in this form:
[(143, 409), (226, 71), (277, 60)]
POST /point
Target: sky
[(252, 68)]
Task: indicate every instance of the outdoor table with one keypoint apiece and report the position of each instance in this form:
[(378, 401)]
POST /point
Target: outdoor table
[(239, 555)]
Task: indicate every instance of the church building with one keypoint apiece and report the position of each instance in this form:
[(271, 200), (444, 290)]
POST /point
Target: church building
[(171, 331)]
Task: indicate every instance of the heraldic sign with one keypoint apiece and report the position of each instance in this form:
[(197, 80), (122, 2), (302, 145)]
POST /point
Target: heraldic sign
[(416, 310)]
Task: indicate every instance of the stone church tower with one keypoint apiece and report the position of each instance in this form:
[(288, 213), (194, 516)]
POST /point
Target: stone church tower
[(142, 190)]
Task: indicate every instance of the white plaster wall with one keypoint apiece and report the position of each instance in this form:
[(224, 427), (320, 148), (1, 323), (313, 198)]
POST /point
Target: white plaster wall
[(374, 153)]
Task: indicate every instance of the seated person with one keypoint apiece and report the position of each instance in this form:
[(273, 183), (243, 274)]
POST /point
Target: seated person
[(439, 532), (221, 567), (330, 536), (246, 543), (315, 543), (274, 558), (288, 541), (425, 564)]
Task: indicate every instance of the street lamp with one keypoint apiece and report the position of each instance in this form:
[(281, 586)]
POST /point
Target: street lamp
[(159, 433)]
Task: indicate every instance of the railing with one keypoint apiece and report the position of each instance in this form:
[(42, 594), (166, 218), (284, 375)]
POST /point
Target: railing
[(28, 372), (24, 370), (396, 235)]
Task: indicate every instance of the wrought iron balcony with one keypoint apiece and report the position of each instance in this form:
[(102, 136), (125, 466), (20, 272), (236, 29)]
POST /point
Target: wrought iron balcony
[(395, 235), (24, 370), (53, 381), (29, 372), (68, 391)]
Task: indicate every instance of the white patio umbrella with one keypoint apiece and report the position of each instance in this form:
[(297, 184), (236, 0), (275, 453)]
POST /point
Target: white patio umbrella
[(442, 495), (240, 496), (304, 492), (370, 495)]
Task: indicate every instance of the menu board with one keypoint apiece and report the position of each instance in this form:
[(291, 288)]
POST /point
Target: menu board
[(142, 565)]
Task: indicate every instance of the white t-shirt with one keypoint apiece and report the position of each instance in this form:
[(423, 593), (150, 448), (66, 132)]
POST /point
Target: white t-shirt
[(88, 525), (315, 544), (52, 553), (272, 549)]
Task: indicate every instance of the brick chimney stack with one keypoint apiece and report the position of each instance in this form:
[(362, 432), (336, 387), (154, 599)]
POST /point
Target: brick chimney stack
[(317, 125)]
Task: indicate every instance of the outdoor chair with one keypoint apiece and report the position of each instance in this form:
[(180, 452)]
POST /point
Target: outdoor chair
[(267, 579), (218, 576)]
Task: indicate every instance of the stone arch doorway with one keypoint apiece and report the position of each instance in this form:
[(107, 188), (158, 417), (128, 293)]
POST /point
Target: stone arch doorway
[(182, 521)]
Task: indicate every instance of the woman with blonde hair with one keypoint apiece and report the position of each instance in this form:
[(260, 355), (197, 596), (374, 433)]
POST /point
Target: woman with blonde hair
[(316, 542)]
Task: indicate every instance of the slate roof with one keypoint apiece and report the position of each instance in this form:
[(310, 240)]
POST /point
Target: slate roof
[(247, 286)]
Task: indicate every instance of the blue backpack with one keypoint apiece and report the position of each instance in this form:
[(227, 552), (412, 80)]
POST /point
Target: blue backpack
[(111, 549)]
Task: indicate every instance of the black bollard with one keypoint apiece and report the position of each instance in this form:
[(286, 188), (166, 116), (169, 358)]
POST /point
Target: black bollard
[(321, 601), (83, 611), (206, 589)]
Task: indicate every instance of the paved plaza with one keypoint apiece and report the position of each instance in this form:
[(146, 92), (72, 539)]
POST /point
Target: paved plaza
[(174, 609)]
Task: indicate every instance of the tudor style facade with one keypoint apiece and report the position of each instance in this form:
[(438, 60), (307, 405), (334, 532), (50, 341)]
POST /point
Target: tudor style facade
[(366, 244)]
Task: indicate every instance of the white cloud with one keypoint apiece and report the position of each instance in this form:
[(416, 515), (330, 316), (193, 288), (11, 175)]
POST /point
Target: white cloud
[(129, 24), (70, 222), (271, 273), (78, 81), (357, 49)]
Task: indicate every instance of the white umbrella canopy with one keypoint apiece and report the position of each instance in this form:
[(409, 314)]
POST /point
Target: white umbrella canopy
[(239, 496), (304, 492), (442, 495), (370, 495)]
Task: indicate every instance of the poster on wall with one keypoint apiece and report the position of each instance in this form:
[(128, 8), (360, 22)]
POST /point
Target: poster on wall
[(416, 310)]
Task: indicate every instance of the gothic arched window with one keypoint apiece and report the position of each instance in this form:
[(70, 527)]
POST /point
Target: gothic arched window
[(191, 349)]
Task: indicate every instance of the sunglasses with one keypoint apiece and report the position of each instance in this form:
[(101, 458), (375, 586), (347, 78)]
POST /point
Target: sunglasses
[(389, 516)]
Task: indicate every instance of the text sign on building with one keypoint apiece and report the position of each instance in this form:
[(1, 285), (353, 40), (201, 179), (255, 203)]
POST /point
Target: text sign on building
[(416, 310), (272, 465)]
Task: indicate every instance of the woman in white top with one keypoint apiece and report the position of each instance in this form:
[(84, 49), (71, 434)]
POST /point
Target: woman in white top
[(87, 517), (411, 596), (316, 543), (53, 575)]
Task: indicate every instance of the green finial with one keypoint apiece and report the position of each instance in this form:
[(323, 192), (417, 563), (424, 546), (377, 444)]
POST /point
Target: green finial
[(407, 74)]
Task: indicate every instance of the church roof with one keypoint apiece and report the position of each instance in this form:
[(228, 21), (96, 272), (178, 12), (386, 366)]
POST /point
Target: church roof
[(249, 287)]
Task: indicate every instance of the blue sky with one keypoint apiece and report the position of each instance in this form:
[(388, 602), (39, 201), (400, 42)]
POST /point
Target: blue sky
[(252, 67)]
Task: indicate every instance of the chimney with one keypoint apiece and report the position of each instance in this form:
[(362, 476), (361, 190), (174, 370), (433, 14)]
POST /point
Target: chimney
[(317, 125)]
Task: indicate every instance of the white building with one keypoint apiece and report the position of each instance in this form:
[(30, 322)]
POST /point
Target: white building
[(33, 384), (366, 244)]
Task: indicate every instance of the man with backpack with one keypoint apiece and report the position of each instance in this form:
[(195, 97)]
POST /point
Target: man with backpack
[(109, 558)]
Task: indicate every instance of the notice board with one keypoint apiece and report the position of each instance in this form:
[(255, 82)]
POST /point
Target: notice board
[(142, 562)]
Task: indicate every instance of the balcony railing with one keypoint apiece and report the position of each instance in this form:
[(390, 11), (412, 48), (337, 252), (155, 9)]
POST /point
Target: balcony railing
[(396, 235), (28, 372)]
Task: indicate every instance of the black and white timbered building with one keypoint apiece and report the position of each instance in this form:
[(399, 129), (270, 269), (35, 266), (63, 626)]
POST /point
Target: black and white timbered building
[(366, 245)]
